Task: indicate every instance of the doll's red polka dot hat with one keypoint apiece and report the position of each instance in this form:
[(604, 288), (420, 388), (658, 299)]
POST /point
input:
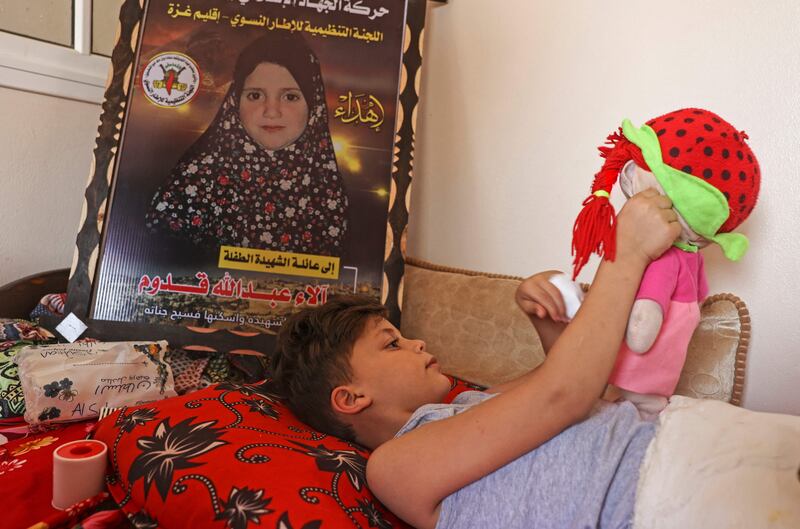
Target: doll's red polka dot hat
[(704, 165)]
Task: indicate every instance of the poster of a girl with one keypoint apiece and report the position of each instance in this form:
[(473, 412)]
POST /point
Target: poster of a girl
[(263, 174)]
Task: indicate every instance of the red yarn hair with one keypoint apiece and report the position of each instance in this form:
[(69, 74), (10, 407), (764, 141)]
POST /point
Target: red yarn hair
[(595, 229)]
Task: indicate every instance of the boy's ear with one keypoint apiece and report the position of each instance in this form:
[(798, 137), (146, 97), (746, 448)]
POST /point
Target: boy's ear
[(345, 399)]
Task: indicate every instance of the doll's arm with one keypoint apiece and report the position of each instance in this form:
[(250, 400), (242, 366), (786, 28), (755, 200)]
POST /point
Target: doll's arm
[(652, 301), (644, 324)]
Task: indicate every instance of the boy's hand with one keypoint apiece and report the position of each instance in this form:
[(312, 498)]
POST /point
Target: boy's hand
[(536, 296), (647, 226)]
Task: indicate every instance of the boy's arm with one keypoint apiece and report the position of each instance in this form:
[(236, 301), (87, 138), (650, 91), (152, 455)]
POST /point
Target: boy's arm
[(412, 474)]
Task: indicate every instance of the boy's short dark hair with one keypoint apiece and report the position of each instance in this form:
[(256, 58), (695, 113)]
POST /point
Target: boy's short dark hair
[(312, 357)]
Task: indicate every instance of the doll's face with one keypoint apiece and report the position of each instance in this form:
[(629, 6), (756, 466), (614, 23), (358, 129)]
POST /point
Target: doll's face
[(272, 107), (633, 179)]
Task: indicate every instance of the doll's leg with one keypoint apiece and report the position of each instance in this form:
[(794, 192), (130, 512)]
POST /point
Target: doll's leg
[(648, 405)]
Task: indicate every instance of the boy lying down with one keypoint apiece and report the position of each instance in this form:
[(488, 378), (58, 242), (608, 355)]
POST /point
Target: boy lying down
[(542, 450)]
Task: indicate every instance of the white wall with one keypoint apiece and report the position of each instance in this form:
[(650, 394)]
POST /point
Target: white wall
[(517, 95), (45, 153)]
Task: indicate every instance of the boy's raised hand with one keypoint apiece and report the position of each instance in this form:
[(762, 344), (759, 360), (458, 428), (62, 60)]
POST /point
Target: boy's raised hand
[(538, 297), (646, 226)]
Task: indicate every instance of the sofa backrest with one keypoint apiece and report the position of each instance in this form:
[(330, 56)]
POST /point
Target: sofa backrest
[(472, 325)]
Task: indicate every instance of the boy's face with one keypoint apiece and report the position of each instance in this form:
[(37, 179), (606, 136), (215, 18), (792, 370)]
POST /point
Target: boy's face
[(397, 373)]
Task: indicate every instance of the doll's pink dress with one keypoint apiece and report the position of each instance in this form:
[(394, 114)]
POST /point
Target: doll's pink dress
[(677, 282)]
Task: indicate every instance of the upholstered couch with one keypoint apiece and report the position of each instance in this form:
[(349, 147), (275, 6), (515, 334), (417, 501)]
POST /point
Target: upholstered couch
[(243, 448), (470, 321)]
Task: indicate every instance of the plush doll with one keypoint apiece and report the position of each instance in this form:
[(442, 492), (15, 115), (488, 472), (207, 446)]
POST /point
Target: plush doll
[(712, 177)]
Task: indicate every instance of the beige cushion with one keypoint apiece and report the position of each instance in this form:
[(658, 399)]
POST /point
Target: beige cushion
[(471, 323)]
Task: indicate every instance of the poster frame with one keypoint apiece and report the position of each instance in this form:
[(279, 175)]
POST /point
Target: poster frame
[(88, 251)]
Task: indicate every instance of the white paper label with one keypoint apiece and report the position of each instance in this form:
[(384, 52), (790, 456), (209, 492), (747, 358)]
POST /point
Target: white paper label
[(71, 327)]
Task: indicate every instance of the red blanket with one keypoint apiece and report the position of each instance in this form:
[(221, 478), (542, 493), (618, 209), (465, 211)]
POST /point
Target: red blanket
[(26, 482)]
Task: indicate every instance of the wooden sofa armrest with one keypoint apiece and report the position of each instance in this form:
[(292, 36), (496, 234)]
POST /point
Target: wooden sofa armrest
[(19, 298)]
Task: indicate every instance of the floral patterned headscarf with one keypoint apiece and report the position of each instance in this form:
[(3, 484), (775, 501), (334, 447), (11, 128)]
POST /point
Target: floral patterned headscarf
[(228, 190)]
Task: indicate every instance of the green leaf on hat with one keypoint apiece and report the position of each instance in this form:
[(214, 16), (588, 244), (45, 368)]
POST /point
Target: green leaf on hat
[(734, 245)]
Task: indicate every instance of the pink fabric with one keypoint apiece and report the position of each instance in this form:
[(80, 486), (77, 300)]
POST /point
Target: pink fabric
[(677, 282), (675, 276), (657, 371)]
